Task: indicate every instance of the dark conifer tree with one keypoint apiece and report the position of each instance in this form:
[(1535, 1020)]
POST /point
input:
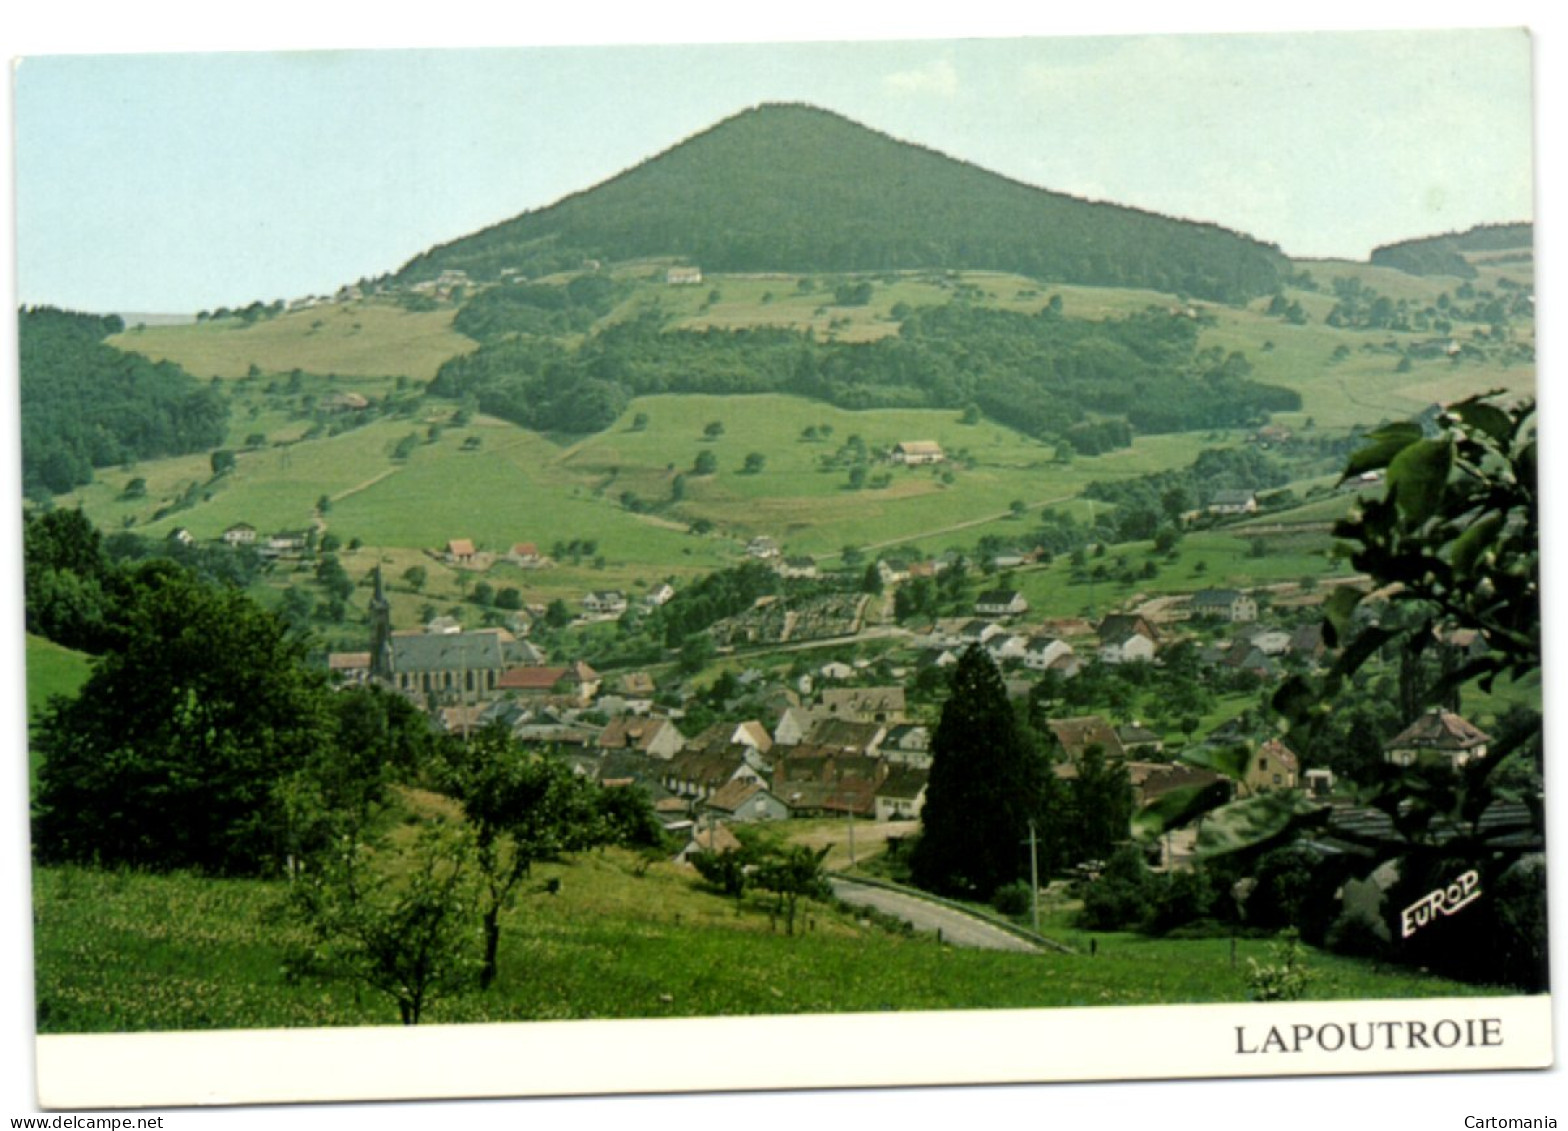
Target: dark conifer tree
[(989, 779)]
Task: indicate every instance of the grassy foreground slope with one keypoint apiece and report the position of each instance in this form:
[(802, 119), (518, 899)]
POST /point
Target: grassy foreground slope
[(125, 952)]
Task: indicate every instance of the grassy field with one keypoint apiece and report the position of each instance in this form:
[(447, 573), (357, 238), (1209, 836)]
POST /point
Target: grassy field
[(523, 487), (121, 951), (353, 339), (51, 670)]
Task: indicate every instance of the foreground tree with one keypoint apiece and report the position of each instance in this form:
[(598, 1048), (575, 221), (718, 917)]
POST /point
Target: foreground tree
[(170, 755), (988, 782), (1455, 534), (523, 807), (1100, 805), (793, 872), (73, 590), (398, 922)]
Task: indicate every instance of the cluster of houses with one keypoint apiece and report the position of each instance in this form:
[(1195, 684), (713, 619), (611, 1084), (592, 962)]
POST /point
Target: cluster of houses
[(848, 752), (842, 751)]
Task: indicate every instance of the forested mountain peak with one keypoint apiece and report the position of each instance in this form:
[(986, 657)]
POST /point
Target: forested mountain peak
[(787, 187)]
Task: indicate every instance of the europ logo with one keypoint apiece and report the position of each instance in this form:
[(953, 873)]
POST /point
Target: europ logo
[(1443, 901)]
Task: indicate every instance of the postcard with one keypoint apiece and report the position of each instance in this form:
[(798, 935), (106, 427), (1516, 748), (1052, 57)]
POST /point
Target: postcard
[(780, 567)]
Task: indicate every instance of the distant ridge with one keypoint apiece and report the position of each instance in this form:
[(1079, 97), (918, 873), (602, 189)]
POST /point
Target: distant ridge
[(784, 187), (1446, 254), (135, 318)]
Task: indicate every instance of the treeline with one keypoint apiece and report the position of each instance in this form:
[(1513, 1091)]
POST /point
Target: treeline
[(86, 404), (1090, 384), (1159, 496), (1443, 255), (1361, 307), (797, 189), (536, 308), (708, 601), (77, 581)]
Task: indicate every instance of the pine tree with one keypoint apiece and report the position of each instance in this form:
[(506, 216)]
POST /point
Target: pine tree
[(988, 781)]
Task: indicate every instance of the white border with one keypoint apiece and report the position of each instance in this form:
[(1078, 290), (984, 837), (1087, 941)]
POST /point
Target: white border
[(748, 1054), (1419, 1100)]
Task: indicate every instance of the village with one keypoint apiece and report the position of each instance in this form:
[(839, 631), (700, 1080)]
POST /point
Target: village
[(846, 740)]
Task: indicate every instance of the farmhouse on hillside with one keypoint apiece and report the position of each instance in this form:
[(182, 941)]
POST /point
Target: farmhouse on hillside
[(1001, 603), (605, 603), (1226, 604), (916, 452), (1233, 502), (525, 555)]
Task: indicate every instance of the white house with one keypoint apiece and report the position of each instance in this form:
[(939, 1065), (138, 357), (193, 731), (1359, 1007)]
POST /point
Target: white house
[(980, 632), (605, 603), (916, 452), (1270, 641), (240, 534), (1127, 647), (1007, 646), (1042, 651), (1233, 502), (801, 566), (1001, 603), (1227, 604), (902, 795), (1435, 737)]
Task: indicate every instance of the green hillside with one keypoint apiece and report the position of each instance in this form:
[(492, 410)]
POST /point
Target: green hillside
[(798, 189), (619, 941), (51, 670), (351, 339), (1452, 254), (87, 405), (632, 488)]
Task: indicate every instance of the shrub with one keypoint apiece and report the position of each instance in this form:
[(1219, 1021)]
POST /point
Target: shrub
[(1285, 977), (1016, 898), (1358, 934), (1122, 898), (1181, 898)]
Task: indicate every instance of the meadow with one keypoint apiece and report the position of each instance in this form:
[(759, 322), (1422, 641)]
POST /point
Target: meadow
[(128, 952), (632, 490), (360, 338)]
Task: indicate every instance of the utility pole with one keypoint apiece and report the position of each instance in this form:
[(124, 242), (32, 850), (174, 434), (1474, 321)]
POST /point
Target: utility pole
[(850, 809), (1034, 877)]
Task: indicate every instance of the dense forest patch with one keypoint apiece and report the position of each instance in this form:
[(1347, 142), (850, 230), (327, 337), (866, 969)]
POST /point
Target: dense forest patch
[(87, 405)]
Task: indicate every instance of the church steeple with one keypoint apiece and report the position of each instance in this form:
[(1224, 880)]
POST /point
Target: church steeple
[(380, 632)]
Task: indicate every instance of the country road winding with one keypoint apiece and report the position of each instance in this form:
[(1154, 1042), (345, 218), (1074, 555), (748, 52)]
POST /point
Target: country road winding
[(957, 928)]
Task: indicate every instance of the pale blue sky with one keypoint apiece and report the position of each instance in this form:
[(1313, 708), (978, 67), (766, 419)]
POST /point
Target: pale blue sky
[(179, 182)]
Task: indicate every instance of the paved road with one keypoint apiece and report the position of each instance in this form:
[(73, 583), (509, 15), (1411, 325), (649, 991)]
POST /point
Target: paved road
[(957, 928)]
